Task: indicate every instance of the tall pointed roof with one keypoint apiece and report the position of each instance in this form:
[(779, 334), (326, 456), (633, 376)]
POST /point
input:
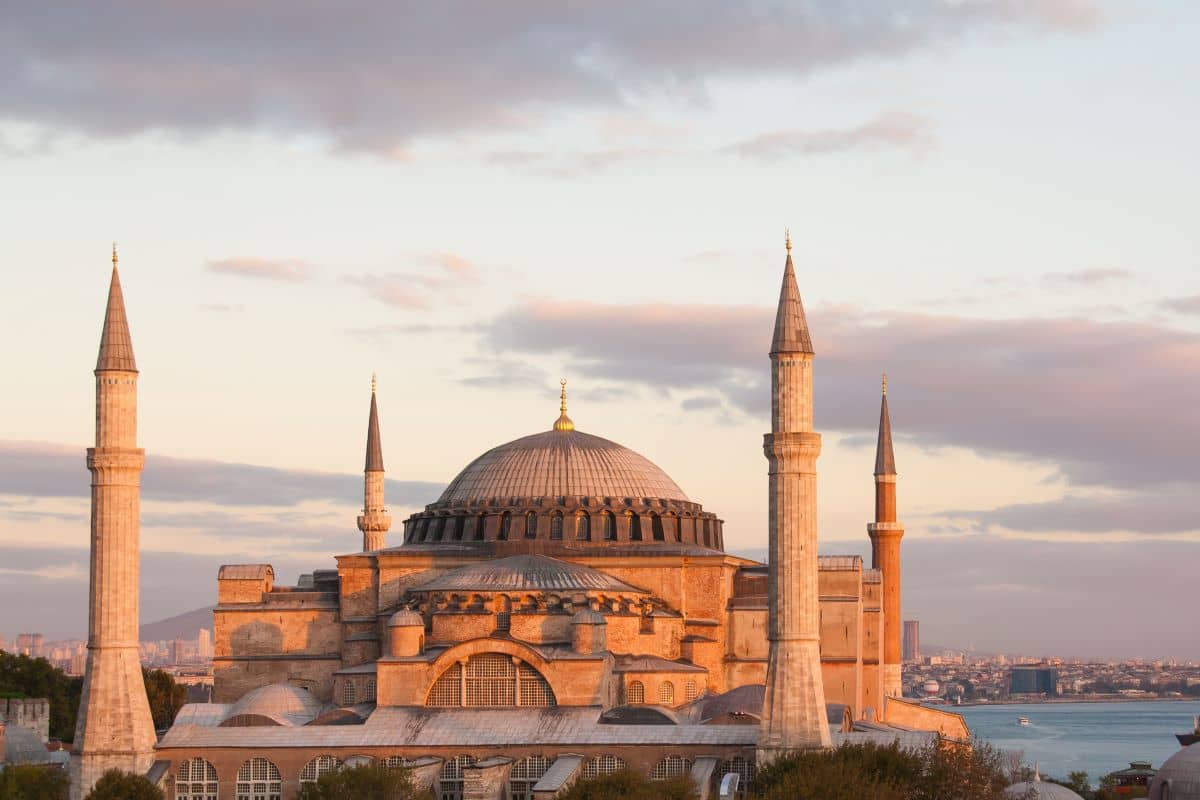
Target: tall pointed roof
[(374, 447), (116, 347), (885, 458), (791, 327)]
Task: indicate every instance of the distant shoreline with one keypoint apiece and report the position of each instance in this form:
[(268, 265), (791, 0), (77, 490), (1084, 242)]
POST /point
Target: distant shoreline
[(1068, 699)]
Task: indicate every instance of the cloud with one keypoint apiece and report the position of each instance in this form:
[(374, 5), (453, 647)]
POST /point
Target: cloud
[(569, 165), (39, 469), (1111, 403), (419, 290), (373, 77), (262, 268), (893, 129), (1183, 305), (1090, 276)]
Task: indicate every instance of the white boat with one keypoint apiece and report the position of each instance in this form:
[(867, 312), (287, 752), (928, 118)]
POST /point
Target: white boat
[(1023, 721)]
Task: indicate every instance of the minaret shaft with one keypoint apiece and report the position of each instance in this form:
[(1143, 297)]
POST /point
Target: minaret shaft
[(374, 522), (886, 532), (114, 727), (794, 714)]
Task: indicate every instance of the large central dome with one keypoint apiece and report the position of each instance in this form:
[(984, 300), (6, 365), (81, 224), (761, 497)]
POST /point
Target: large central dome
[(560, 463)]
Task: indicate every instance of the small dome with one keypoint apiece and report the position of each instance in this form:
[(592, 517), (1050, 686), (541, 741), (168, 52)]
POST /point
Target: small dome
[(1041, 790), (588, 617), (275, 704), (560, 463), (406, 618), (1182, 773)]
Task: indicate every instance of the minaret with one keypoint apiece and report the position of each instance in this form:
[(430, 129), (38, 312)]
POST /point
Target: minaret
[(114, 727), (794, 716), (885, 534), (374, 521)]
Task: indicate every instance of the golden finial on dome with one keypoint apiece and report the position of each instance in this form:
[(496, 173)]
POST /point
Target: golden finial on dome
[(787, 239), (563, 423), (885, 384), (372, 383), (114, 255)]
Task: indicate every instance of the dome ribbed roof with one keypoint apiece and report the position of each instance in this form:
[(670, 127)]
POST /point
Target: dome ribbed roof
[(282, 703), (560, 463), (1182, 772)]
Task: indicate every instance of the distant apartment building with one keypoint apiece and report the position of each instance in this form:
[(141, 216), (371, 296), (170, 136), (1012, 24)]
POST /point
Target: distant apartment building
[(204, 648), (1033, 680), (912, 641), (30, 644)]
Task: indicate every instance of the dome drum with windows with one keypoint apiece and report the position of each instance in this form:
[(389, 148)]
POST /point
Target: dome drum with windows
[(563, 488)]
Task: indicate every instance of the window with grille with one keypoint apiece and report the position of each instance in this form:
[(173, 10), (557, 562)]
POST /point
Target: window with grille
[(321, 765), (666, 693), (259, 779), (689, 691), (492, 680), (357, 761), (583, 527), (603, 765), (349, 694), (610, 527), (452, 777), (635, 693), (525, 773), (556, 523), (196, 779), (397, 762), (671, 767), (531, 526), (369, 690), (744, 769)]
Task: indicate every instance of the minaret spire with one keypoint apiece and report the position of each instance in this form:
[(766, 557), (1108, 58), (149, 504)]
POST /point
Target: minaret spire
[(794, 715), (374, 522), (114, 728), (886, 533)]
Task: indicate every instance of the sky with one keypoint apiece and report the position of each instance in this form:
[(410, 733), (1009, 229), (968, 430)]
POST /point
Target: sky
[(994, 201)]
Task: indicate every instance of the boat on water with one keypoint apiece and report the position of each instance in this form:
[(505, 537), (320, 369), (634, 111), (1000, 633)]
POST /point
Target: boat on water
[(1186, 739), (1023, 721)]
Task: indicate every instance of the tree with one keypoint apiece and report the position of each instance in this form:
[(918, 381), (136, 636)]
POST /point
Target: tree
[(165, 695), (629, 785), (34, 782), (366, 782), (22, 676), (118, 785)]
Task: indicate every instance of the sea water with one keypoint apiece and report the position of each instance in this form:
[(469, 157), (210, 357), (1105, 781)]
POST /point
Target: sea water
[(1096, 738)]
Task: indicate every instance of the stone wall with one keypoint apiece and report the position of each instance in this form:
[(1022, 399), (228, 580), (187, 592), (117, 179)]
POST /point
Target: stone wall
[(30, 713)]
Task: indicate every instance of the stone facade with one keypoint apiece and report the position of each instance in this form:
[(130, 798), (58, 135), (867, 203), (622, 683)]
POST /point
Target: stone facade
[(114, 727), (29, 713)]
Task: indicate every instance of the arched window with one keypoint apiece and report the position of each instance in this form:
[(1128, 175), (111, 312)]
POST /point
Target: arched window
[(671, 767), (459, 523), (689, 691), (436, 532), (396, 762), (610, 527), (259, 779), (531, 525), (492, 680), (666, 693), (707, 534), (505, 521), (676, 528), (583, 526), (635, 693), (525, 773), (480, 527), (349, 695), (357, 761), (321, 765), (635, 528), (657, 528), (196, 779), (556, 525), (452, 777), (603, 765), (369, 690)]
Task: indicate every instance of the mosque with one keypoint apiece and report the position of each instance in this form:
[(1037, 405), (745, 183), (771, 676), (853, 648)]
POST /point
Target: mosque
[(564, 609)]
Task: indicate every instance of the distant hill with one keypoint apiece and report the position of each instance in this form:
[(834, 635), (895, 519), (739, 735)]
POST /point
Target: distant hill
[(183, 626)]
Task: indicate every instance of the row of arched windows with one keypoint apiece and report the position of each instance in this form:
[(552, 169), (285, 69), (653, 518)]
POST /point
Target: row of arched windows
[(578, 527), (635, 693), (260, 779), (352, 693)]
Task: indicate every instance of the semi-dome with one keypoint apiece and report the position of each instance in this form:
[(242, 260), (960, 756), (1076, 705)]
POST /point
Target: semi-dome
[(560, 463), (274, 704)]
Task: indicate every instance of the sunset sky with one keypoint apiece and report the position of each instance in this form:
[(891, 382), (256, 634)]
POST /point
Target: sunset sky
[(992, 200)]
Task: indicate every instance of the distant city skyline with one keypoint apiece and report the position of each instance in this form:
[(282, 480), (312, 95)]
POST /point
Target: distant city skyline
[(1023, 265)]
